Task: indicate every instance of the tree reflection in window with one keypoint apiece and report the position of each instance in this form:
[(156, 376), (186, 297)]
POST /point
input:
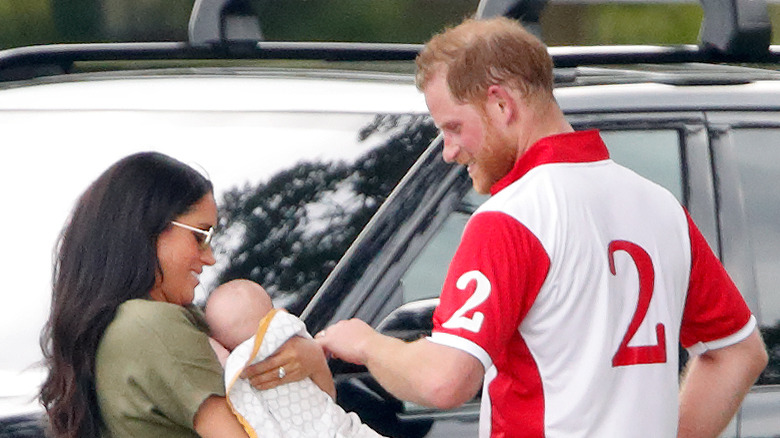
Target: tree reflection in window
[(296, 226)]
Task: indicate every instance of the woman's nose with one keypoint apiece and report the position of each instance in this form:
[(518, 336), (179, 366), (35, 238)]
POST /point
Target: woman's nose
[(207, 257)]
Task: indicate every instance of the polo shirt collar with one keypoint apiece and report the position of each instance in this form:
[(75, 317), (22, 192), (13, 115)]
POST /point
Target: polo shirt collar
[(569, 147)]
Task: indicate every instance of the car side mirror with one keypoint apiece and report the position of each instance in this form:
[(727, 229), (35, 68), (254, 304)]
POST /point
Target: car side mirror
[(411, 321)]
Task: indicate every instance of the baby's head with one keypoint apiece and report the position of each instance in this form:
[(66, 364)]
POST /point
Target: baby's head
[(234, 310)]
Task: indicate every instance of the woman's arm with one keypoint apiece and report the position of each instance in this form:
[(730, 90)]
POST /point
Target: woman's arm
[(215, 419), (221, 352), (300, 358)]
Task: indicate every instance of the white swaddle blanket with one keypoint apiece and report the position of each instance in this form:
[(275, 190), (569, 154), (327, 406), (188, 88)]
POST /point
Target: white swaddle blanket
[(298, 409)]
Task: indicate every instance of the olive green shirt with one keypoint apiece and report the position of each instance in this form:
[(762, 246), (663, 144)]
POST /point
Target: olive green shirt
[(154, 368)]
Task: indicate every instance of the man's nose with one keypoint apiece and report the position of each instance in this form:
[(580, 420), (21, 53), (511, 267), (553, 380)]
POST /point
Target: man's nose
[(450, 151)]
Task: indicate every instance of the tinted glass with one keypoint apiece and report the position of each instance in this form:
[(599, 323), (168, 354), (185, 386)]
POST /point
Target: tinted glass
[(758, 155), (654, 154), (426, 275), (294, 190)]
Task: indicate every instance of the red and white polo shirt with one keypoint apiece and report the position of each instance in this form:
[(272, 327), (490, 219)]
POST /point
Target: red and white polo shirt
[(572, 285)]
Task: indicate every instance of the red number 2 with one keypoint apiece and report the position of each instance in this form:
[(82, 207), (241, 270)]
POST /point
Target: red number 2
[(645, 354)]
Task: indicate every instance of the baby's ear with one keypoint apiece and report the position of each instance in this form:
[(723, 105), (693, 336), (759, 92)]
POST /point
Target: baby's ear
[(220, 350)]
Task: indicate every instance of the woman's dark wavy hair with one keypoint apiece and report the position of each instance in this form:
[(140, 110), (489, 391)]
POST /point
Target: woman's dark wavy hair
[(106, 255)]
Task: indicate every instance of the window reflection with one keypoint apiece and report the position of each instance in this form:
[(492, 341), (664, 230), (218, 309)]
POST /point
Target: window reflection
[(300, 186), (288, 232)]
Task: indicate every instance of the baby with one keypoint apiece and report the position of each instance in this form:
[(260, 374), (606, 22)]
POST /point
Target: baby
[(246, 329), (233, 312)]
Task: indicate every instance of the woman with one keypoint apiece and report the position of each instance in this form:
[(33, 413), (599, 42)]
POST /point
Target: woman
[(126, 352)]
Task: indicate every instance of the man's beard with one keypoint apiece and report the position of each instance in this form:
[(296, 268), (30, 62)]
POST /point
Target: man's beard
[(496, 159)]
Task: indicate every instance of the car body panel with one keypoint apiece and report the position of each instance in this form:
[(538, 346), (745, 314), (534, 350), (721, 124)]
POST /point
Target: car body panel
[(761, 95), (258, 91)]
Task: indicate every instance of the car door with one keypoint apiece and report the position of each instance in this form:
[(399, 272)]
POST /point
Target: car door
[(746, 152), (393, 275)]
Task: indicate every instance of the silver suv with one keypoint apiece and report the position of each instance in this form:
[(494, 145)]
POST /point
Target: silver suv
[(330, 182)]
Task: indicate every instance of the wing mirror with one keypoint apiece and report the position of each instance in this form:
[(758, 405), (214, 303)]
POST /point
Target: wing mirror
[(411, 321)]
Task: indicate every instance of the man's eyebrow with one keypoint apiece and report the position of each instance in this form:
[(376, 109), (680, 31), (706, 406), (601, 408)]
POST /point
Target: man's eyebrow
[(449, 125)]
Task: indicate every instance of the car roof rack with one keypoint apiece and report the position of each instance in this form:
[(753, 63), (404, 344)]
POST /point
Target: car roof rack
[(528, 12), (217, 21), (217, 30), (738, 30), (741, 28), (732, 31), (58, 59)]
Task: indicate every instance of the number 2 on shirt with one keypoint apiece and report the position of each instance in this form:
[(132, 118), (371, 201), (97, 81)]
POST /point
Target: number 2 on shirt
[(481, 293), (644, 354)]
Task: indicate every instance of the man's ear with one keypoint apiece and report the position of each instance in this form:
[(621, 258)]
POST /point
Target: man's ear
[(501, 105)]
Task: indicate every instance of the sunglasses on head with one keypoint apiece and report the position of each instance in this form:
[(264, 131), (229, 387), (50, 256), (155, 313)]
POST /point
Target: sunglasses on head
[(202, 236)]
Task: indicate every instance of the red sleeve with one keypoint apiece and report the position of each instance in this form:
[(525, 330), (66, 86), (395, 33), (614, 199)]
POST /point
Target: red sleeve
[(492, 282), (714, 308)]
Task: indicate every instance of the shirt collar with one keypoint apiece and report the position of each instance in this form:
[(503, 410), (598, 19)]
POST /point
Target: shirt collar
[(569, 147)]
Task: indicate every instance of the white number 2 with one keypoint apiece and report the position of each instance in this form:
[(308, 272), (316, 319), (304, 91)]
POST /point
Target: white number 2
[(481, 293)]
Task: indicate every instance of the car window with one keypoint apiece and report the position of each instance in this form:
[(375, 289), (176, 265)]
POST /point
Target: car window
[(294, 189), (654, 154), (758, 159), (426, 274)]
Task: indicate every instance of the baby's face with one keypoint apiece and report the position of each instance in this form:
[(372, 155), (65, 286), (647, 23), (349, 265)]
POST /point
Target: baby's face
[(234, 311)]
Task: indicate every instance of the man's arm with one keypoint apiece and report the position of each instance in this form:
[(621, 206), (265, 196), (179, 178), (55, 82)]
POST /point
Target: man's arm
[(422, 372), (715, 384)]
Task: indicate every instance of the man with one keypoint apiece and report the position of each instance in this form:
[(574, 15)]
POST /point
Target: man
[(572, 284)]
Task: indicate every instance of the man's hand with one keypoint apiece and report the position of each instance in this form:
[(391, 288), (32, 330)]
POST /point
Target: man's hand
[(422, 372), (347, 340)]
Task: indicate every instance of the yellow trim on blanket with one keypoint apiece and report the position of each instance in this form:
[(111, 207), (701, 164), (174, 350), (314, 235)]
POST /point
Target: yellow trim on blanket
[(259, 335)]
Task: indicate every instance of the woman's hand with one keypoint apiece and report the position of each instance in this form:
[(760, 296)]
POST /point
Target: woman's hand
[(295, 360)]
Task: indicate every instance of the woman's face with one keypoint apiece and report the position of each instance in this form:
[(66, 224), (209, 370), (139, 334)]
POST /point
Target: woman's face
[(181, 256)]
